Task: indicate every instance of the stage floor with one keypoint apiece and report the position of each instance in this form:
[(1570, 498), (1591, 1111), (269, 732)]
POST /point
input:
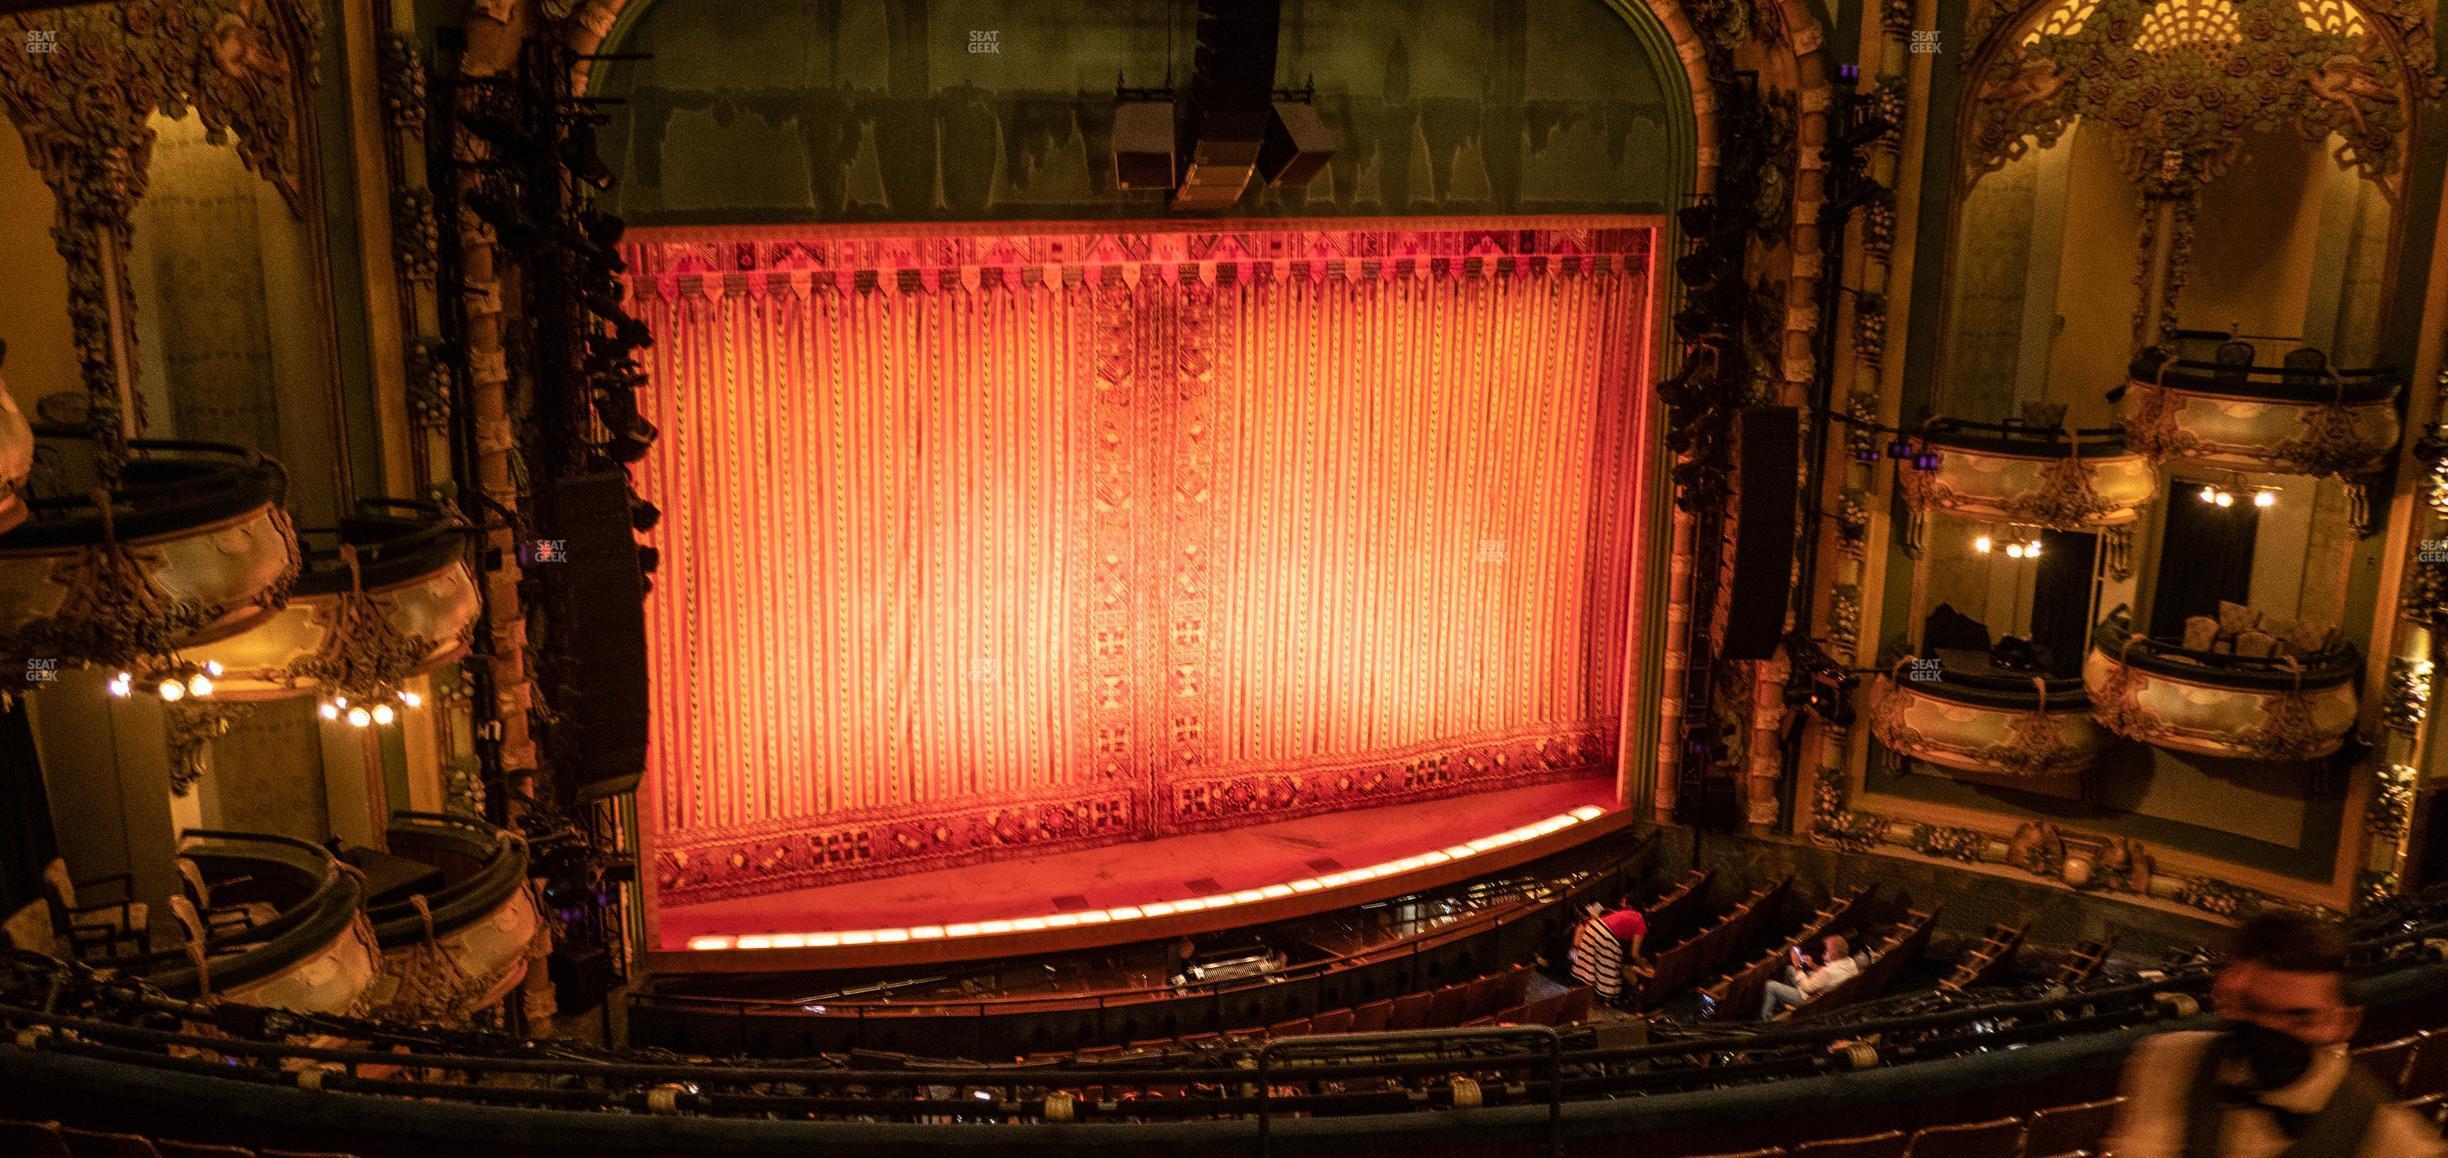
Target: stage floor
[(1139, 872)]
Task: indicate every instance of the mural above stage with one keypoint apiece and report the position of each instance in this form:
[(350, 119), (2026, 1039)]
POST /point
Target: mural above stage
[(976, 544)]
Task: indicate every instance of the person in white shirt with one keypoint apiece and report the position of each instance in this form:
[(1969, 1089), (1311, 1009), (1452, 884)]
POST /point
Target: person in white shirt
[(1807, 979), (2276, 1081)]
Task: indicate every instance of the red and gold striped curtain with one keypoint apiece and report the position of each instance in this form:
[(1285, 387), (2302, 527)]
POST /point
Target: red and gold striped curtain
[(983, 544)]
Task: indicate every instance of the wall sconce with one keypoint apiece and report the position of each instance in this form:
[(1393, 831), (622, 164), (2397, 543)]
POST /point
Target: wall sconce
[(174, 683), (2219, 496), (2015, 549), (383, 710)]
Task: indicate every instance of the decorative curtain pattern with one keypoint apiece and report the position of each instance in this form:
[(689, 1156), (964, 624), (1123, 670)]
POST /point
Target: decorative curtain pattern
[(978, 544)]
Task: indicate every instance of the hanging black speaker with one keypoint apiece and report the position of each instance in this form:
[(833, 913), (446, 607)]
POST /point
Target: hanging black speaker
[(1768, 457), (598, 739)]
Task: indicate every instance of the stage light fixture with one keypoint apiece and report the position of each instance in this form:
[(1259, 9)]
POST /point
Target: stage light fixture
[(1982, 544), (2225, 499), (2265, 498)]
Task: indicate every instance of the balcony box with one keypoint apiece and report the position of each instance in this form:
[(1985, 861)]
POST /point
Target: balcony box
[(2031, 476), (465, 946), (2302, 420), (2210, 704), (311, 951), (417, 584), (193, 547), (1986, 723)]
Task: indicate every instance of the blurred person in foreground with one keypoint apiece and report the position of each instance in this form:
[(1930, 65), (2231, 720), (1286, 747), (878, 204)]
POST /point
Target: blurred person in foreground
[(2276, 1079)]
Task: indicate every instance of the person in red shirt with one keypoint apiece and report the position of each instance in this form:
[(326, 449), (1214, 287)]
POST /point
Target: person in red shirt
[(1604, 945), (1628, 925)]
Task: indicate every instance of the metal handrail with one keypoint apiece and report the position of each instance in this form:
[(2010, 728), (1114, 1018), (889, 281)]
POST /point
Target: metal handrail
[(1394, 1042)]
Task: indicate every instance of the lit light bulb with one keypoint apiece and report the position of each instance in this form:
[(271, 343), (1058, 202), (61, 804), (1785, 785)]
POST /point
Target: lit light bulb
[(212, 667), (2031, 550), (412, 699), (2209, 494), (2014, 550), (331, 711), (1981, 544), (383, 714), (2225, 499), (199, 685), (359, 717), (341, 701), (122, 684), (172, 691), (2265, 498)]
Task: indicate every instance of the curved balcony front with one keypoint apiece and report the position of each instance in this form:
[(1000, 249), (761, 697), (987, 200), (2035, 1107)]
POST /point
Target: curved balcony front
[(16, 458), (2035, 476), (406, 608), (2212, 704), (193, 546), (463, 947), (281, 924), (2302, 420), (1986, 722)]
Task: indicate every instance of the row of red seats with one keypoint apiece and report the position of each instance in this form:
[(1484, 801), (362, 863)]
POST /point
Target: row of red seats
[(1502, 997), (52, 1140), (2057, 1132)]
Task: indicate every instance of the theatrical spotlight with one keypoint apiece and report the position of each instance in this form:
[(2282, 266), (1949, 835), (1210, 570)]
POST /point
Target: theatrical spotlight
[(585, 161)]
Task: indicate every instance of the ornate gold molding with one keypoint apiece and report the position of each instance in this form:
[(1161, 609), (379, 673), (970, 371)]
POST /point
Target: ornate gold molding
[(2183, 81), (82, 89)]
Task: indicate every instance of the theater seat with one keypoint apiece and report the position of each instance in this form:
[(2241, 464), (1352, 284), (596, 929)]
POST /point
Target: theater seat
[(2389, 1060), (2068, 1131), (1991, 1139), (32, 1140), (2426, 1072), (169, 1149), (1888, 1145), (1373, 1016), (96, 1144)]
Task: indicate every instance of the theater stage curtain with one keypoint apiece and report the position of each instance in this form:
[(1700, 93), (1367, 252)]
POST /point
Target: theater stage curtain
[(978, 544)]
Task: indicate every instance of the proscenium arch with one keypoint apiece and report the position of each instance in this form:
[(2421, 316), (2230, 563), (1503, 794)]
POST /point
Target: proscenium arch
[(1793, 63)]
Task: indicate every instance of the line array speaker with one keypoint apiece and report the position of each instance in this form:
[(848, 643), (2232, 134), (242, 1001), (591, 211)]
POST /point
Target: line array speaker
[(599, 739), (1767, 456)]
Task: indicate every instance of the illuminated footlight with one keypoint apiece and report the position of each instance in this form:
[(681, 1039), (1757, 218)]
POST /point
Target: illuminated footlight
[(361, 717)]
